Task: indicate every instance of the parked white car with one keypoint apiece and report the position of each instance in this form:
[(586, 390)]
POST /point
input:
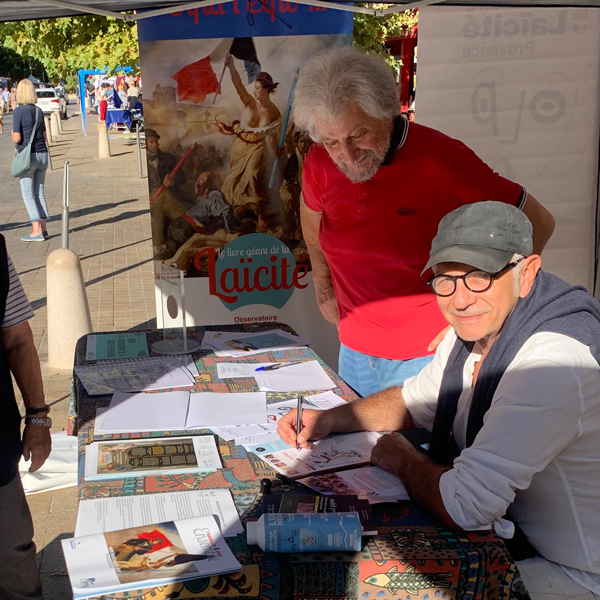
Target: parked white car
[(49, 102)]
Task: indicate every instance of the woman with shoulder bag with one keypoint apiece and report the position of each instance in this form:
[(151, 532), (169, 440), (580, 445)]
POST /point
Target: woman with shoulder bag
[(29, 135)]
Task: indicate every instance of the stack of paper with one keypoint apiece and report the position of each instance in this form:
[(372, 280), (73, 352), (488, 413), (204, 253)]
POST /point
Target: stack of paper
[(247, 435), (226, 343), (109, 514), (151, 456), (147, 556), (306, 375), (175, 411)]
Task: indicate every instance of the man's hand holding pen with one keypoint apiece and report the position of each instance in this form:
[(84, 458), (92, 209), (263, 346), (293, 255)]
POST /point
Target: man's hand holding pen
[(315, 425)]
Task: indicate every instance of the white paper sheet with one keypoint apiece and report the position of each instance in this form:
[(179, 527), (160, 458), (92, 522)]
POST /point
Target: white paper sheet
[(110, 514), (308, 375), (207, 409), (165, 411), (228, 370), (59, 471), (274, 412), (325, 401)]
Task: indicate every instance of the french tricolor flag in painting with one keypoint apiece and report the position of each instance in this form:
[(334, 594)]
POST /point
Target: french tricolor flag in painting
[(199, 79)]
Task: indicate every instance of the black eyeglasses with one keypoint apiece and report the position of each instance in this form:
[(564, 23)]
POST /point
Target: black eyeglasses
[(475, 281)]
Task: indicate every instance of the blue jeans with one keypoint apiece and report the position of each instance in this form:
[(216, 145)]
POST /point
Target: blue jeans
[(369, 374), (32, 186)]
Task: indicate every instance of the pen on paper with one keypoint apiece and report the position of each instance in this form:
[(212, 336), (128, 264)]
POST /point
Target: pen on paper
[(299, 421), (279, 365)]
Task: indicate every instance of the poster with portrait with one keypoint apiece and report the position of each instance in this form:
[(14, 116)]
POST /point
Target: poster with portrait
[(224, 158)]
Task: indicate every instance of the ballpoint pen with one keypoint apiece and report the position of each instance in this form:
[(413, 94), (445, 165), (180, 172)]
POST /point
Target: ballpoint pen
[(299, 421), (279, 365)]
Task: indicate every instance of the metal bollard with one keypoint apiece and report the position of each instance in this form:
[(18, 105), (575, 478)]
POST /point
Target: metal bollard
[(139, 152), (65, 208)]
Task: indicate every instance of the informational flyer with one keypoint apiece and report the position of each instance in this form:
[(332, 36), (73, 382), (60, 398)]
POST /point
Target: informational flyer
[(109, 514), (330, 454)]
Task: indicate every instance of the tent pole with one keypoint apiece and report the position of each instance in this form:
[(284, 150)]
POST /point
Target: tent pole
[(80, 8)]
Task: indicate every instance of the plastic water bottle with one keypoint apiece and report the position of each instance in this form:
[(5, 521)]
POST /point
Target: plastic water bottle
[(319, 532)]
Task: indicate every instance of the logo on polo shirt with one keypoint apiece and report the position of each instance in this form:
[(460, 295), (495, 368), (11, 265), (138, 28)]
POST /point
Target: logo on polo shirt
[(253, 269), (405, 212)]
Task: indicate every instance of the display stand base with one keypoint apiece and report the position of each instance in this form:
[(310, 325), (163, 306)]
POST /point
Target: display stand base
[(175, 346)]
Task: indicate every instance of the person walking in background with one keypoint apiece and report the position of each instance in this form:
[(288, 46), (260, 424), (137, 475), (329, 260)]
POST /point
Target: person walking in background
[(12, 97), (32, 180), (6, 99), (1, 113), (133, 94)]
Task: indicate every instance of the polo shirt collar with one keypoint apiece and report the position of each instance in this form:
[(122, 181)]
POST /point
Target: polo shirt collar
[(399, 134)]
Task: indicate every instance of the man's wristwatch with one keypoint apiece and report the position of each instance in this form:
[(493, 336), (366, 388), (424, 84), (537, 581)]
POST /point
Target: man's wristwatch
[(43, 421), (37, 411)]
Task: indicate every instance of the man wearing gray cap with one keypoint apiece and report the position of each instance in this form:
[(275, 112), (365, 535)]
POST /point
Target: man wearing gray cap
[(512, 400)]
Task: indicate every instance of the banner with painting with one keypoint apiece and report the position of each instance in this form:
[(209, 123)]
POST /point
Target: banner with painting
[(225, 161)]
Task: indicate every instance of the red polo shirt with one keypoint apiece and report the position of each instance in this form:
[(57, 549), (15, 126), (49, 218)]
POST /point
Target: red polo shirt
[(376, 235)]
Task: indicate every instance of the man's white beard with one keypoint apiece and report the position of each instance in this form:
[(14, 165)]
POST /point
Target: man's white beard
[(364, 174)]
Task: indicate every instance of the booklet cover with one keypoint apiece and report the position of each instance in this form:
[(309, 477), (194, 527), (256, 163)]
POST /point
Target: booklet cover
[(150, 456), (329, 454), (103, 346), (138, 557), (312, 503)]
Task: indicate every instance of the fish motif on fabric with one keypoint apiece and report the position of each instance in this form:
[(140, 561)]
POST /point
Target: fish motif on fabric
[(409, 580)]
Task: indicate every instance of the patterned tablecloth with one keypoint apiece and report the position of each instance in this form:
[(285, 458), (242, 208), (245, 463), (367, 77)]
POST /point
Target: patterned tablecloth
[(413, 557)]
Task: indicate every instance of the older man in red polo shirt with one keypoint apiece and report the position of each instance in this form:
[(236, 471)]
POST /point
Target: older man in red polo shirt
[(374, 190)]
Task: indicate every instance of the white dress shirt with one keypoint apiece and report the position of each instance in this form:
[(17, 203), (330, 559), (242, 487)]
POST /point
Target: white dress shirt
[(538, 451)]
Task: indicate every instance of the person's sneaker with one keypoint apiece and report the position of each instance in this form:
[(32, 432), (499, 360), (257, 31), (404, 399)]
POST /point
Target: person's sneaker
[(45, 234), (33, 238)]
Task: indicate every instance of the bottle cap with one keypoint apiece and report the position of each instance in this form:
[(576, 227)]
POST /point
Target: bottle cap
[(251, 532)]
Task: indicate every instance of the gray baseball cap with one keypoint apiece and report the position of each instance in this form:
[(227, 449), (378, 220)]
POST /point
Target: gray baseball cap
[(484, 235)]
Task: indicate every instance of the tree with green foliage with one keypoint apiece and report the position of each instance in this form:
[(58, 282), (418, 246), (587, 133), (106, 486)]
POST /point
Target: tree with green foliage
[(371, 33), (65, 45), (15, 67)]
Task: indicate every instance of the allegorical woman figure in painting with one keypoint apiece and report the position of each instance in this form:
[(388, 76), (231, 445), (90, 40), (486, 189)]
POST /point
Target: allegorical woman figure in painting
[(253, 150)]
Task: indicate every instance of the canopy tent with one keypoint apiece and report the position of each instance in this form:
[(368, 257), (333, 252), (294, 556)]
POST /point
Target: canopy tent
[(19, 10), (23, 10)]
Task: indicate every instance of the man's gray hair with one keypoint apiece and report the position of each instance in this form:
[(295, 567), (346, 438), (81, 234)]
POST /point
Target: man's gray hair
[(334, 79), (517, 272)]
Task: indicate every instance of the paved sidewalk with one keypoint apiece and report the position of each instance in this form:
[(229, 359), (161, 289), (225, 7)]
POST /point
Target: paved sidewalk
[(110, 231)]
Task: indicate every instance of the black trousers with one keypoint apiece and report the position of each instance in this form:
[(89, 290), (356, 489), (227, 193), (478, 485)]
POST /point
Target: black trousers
[(19, 576)]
